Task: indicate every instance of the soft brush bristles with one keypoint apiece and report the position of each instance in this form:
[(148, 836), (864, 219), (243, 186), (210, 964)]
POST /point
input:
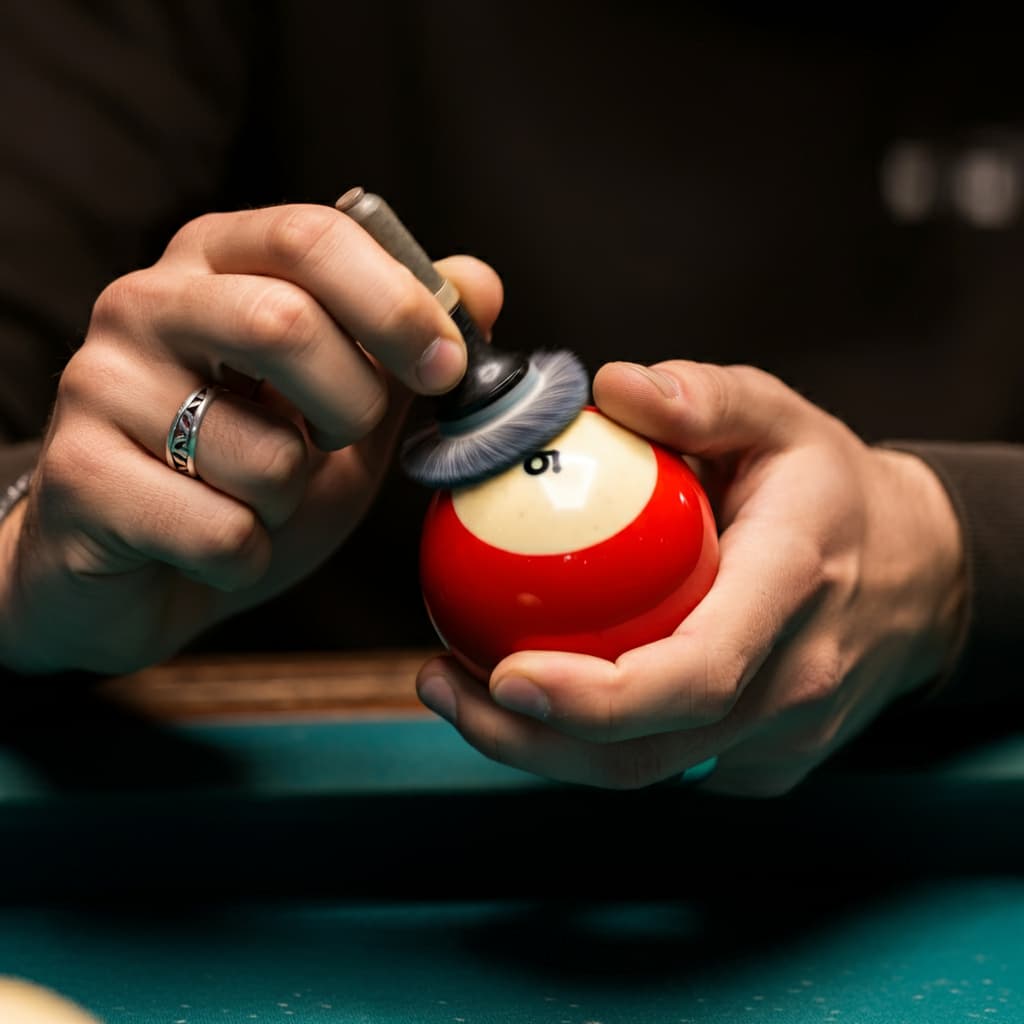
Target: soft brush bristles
[(537, 409)]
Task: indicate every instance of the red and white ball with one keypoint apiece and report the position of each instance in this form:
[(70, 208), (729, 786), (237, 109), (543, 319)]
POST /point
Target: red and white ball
[(601, 542)]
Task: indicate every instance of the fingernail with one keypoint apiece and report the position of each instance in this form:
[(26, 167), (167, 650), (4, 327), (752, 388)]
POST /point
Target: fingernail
[(699, 772), (519, 694), (665, 384), (435, 692), (441, 366)]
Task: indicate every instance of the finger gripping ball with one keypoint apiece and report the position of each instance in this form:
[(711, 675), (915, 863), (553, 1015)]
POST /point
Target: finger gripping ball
[(599, 543)]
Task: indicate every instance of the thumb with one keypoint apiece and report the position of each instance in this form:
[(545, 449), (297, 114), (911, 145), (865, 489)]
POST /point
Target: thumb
[(479, 286), (701, 409)]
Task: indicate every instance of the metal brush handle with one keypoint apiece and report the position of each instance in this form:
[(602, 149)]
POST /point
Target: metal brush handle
[(381, 223), (490, 372)]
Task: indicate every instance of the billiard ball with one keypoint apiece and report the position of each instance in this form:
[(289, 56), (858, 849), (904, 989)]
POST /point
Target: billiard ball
[(599, 543), (23, 1002)]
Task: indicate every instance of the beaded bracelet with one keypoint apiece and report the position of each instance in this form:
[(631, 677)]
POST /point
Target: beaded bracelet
[(14, 493)]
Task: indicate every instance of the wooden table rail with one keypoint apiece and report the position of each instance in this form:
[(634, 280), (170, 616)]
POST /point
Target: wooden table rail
[(220, 686)]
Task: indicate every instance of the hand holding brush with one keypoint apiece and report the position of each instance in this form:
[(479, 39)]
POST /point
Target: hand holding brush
[(507, 405)]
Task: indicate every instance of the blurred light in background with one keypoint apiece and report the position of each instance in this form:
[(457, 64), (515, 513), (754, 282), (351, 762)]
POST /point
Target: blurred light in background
[(979, 181), (910, 180), (986, 188)]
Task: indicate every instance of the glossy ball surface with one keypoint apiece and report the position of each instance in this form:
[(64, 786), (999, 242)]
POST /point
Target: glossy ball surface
[(602, 542)]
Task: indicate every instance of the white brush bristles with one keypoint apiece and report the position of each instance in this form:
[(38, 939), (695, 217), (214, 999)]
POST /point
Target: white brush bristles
[(537, 409)]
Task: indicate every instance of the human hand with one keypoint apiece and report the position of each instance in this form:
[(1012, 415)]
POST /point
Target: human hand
[(115, 560), (840, 589)]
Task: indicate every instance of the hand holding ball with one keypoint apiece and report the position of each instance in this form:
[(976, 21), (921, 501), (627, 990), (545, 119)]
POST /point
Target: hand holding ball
[(599, 543)]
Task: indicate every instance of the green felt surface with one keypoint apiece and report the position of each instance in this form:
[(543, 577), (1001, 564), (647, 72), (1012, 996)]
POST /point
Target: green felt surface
[(931, 953), (399, 755)]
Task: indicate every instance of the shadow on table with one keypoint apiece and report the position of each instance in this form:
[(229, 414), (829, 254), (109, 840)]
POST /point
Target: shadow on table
[(651, 940), (400, 951)]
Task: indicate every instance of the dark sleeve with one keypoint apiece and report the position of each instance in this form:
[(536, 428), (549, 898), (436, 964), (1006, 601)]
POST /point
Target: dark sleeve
[(117, 120), (986, 485)]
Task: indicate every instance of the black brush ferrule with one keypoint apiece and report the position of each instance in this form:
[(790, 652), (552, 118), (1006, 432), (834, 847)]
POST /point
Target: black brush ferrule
[(490, 373)]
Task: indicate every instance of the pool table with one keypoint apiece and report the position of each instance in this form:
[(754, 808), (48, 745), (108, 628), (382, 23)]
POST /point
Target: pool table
[(291, 838)]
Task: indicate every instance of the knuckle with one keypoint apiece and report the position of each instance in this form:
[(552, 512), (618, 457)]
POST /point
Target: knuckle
[(107, 309), (296, 231), (808, 565), (124, 299), (753, 380), (402, 307), (280, 317), (361, 420), (839, 573), (724, 678), (372, 412), (816, 676), (280, 458), (230, 537), (488, 739), (191, 236), (716, 393), (90, 376), (75, 384), (754, 376)]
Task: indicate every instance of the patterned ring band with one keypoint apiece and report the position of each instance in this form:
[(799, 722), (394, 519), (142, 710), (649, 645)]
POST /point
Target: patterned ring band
[(184, 432)]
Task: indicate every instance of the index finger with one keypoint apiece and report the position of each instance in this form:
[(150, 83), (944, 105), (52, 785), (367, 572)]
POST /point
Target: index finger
[(692, 678), (369, 293)]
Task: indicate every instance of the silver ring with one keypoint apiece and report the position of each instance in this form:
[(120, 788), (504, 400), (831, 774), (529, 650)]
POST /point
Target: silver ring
[(184, 432)]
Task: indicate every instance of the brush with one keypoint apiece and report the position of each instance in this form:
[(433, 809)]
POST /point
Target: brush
[(507, 404)]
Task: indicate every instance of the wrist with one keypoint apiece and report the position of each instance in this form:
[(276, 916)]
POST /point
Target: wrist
[(937, 577), (28, 640), (10, 533)]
